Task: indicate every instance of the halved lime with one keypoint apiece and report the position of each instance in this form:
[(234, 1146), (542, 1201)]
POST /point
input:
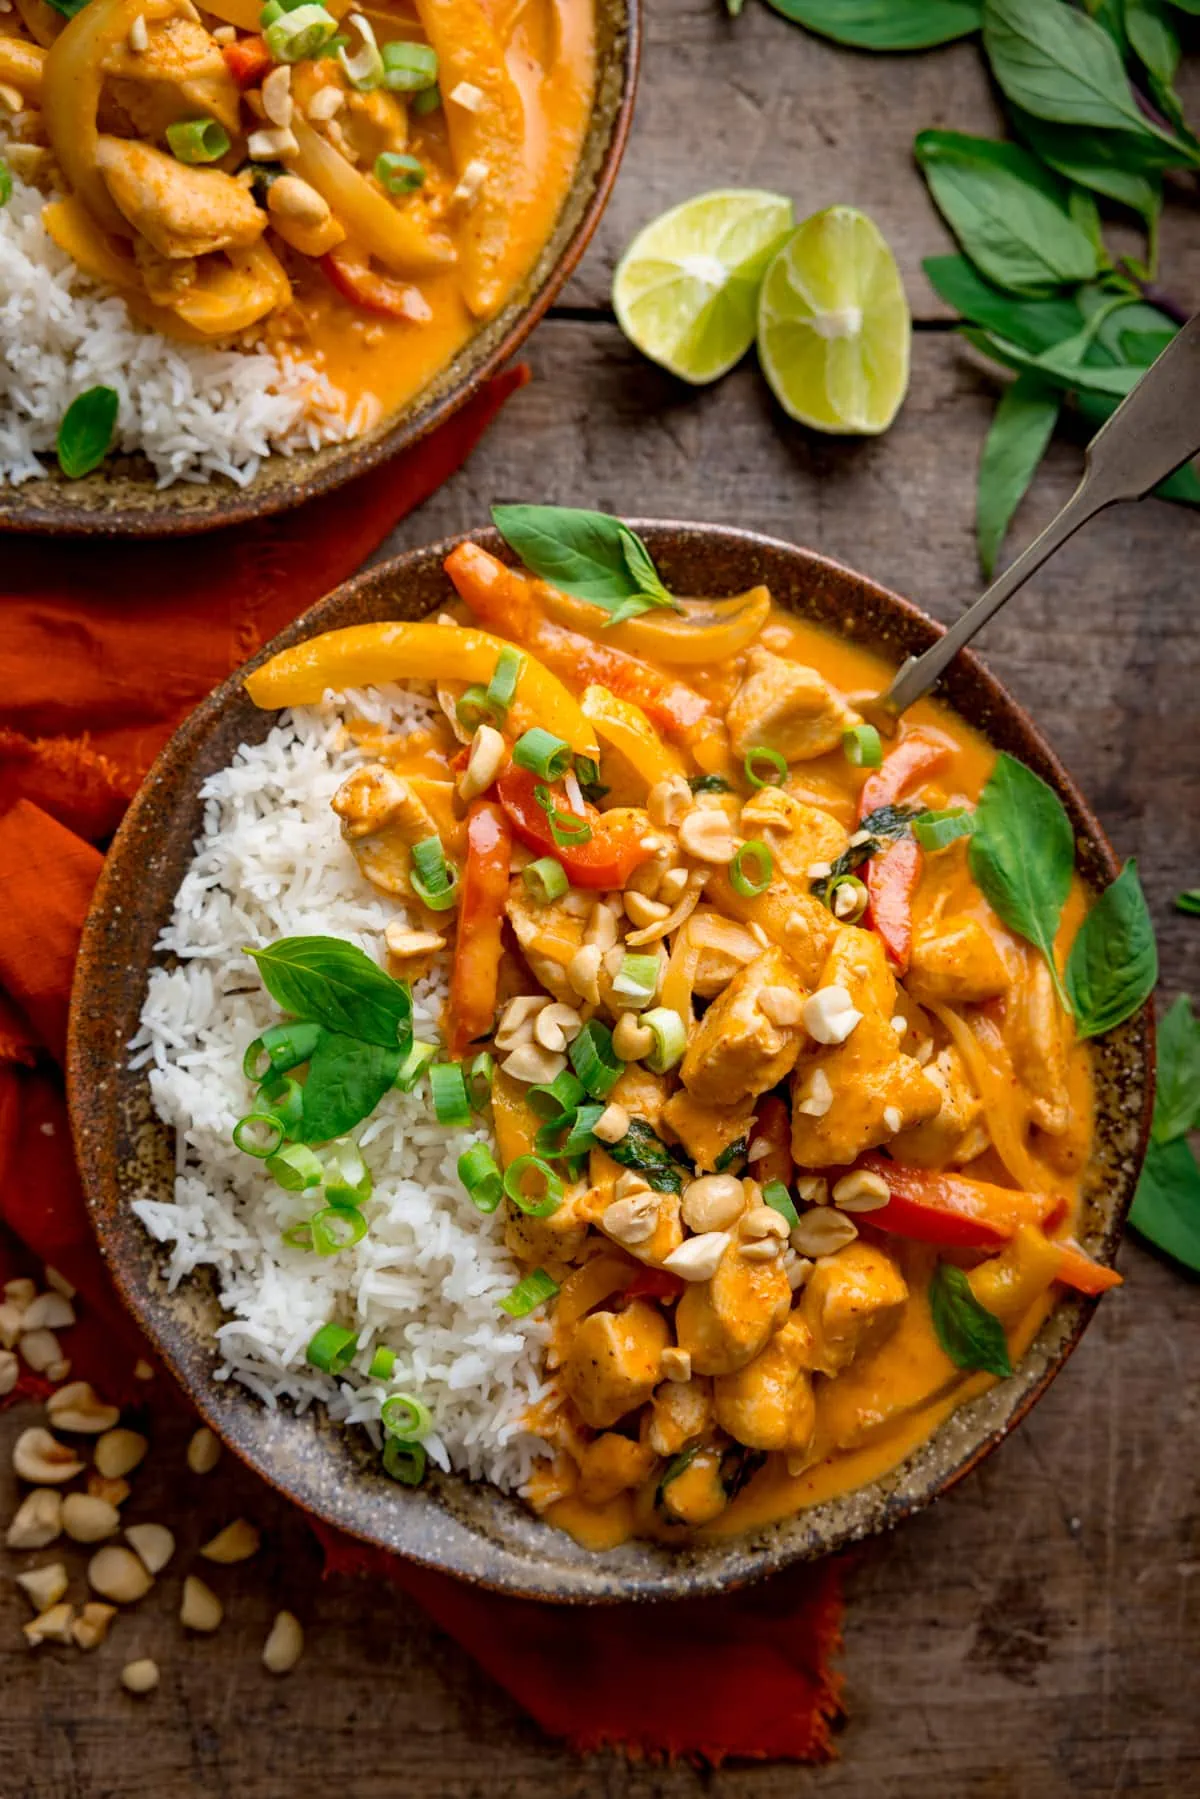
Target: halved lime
[(834, 327), (686, 290)]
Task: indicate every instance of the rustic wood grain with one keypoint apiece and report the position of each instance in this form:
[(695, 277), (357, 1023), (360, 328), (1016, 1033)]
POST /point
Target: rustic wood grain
[(1034, 1636)]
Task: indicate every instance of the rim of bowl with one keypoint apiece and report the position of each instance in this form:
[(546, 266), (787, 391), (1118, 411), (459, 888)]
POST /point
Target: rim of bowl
[(324, 471), (716, 1565)]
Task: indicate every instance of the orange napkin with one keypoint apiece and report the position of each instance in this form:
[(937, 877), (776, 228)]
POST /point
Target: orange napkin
[(103, 649)]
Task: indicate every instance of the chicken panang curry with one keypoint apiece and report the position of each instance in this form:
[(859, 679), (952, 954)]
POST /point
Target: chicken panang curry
[(788, 1125), (357, 188)]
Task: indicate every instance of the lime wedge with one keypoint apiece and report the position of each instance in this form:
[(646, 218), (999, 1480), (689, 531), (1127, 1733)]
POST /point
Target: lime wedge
[(686, 290), (834, 327)]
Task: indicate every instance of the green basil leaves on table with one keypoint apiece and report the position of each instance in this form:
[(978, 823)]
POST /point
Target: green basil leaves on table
[(586, 554), (347, 1078), (1166, 1206), (1188, 901), (886, 24), (971, 1336), (1009, 213), (337, 984), (1113, 965), (1117, 164), (1022, 854), (1020, 432), (1177, 1098), (86, 431)]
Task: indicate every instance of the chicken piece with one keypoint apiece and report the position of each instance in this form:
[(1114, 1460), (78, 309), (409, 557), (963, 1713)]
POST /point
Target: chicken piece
[(705, 1131), (956, 961), (850, 1304), (549, 936), (181, 210), (788, 707), (717, 963), (680, 1412), (1038, 1048), (612, 1366), (181, 74), (383, 815), (769, 1403), (696, 1495), (955, 1134), (559, 1237), (725, 1321), (374, 123), (738, 1050), (611, 1465), (797, 835)]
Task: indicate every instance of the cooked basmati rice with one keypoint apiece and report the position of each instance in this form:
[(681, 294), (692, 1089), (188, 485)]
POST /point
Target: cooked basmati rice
[(193, 412), (426, 1278)]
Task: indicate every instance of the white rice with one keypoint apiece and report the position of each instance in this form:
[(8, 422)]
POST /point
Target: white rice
[(193, 412), (426, 1278)]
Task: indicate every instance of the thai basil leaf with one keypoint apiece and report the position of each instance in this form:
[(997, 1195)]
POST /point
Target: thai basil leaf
[(1188, 901), (587, 554), (738, 1466), (1117, 164), (86, 431), (1110, 14), (733, 1152), (645, 1152), (971, 1336), (337, 985), (1153, 39), (68, 8), (1008, 212), (1071, 376), (1166, 1206), (886, 24), (1144, 347), (346, 1081), (709, 784), (1032, 325), (1021, 429), (887, 824), (1022, 854), (1177, 1097), (1113, 965)]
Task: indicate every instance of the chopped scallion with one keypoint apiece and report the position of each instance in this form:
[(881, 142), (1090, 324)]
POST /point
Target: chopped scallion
[(862, 747), (283, 1099), (937, 830), (409, 68), (258, 1134), (569, 1135), (550, 1099), (427, 101), (347, 1178), (414, 1064), (502, 688), (332, 1349), (405, 1417), (751, 869), (363, 70), (546, 879), (542, 754), (473, 708), (529, 1293), (301, 32), (594, 1060), (405, 1462), (284, 1046), (383, 1363), (335, 1228), (298, 1236), (566, 828), (399, 173), (5, 183), (450, 1103), (763, 758), (197, 140), (296, 1168), (542, 1204), (776, 1195), (479, 1174), (434, 882), (637, 980), (847, 898), (670, 1038), (479, 1077)]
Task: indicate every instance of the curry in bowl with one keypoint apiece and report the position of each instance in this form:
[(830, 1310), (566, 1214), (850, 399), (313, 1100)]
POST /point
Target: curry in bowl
[(656, 1098)]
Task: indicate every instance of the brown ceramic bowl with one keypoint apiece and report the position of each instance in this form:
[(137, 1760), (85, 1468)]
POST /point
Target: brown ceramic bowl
[(468, 1529), (121, 500)]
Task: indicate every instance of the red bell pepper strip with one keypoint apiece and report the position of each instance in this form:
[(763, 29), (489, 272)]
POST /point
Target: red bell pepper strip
[(350, 272), (606, 860), (247, 60), (893, 876), (918, 753), (773, 1126), (504, 602), (1075, 1269), (951, 1210), (475, 976), (655, 1283)]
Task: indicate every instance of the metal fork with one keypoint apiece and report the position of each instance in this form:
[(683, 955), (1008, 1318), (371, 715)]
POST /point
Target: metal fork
[(1154, 431)]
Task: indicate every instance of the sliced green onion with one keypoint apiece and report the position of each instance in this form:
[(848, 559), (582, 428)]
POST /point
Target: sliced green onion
[(587, 773), (197, 140), (479, 1077), (347, 1178), (594, 1061), (762, 757), (570, 1135), (283, 1099), (670, 1038), (298, 1236), (383, 1363), (862, 747), (405, 1462), (637, 980), (552, 1188), (284, 1046), (566, 828), (333, 49), (258, 1134), (853, 906), (550, 1099), (302, 32), (776, 1195), (449, 1090), (433, 880), (936, 830), (405, 1417), (332, 1349), (751, 869), (479, 1174), (546, 879), (409, 68), (271, 11), (427, 101), (473, 708), (337, 1228), (536, 1287), (5, 183), (414, 1064), (363, 70), (296, 1168), (502, 688), (399, 173), (542, 754)]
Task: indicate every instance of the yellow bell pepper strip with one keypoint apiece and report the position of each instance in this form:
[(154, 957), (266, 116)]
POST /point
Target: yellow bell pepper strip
[(22, 66), (503, 599), (396, 236), (368, 655), (703, 634), (627, 728), (515, 1122)]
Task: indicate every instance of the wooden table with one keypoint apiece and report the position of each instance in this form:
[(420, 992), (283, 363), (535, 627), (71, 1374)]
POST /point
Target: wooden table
[(1035, 1635)]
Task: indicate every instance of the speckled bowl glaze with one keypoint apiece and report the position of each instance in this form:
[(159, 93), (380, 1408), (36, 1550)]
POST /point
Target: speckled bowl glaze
[(125, 1153), (121, 499)]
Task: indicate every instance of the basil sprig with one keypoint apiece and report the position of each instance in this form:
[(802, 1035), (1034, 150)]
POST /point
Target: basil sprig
[(337, 985), (971, 1336), (86, 431), (1166, 1207), (885, 24), (1113, 965), (587, 554)]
